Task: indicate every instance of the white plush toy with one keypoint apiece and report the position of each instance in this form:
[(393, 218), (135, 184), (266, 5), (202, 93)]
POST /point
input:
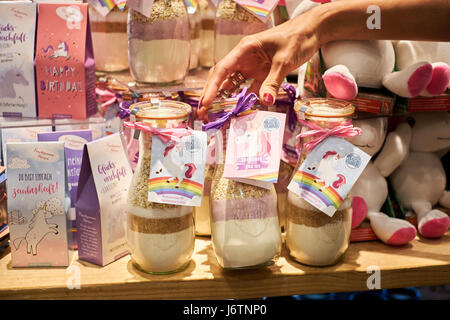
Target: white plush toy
[(423, 66), (370, 190), (420, 179)]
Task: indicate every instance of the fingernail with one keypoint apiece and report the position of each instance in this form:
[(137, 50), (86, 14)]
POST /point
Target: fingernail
[(268, 98)]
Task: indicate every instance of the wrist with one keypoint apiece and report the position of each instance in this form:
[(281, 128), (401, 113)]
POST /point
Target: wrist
[(324, 15)]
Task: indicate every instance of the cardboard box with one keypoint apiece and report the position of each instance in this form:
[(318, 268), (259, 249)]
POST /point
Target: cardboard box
[(424, 104), (17, 39), (38, 202), (65, 70)]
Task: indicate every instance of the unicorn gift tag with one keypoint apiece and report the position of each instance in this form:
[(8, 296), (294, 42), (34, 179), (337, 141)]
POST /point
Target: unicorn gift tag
[(177, 167), (254, 148), (328, 173)]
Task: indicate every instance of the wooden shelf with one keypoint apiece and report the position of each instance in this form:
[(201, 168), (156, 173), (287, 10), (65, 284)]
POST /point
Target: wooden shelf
[(421, 263)]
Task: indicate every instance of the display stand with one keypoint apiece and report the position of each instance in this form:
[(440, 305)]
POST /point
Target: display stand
[(423, 262)]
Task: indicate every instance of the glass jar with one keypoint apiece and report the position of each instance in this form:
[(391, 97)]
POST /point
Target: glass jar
[(160, 236), (109, 39), (194, 32), (312, 237), (159, 46), (245, 229), (233, 22), (206, 34), (133, 144)]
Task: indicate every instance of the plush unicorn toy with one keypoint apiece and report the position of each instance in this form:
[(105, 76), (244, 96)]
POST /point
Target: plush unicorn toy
[(423, 66), (370, 190), (420, 179)]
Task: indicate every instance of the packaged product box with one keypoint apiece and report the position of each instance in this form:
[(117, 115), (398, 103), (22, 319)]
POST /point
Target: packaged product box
[(424, 104), (21, 131), (17, 36), (65, 69), (74, 142), (38, 201), (101, 199)]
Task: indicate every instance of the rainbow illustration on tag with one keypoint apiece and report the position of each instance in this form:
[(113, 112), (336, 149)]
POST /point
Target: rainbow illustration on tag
[(177, 168), (192, 3), (270, 177), (328, 174), (110, 4), (316, 191), (260, 8), (187, 188)]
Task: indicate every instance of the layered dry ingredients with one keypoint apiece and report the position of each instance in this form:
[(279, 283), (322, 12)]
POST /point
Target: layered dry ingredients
[(245, 227), (159, 46), (160, 236), (233, 22), (206, 34), (194, 35), (109, 39), (312, 237)]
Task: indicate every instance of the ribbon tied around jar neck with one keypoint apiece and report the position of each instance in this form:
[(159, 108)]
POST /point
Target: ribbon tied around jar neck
[(345, 130), (291, 93), (243, 107), (165, 135)]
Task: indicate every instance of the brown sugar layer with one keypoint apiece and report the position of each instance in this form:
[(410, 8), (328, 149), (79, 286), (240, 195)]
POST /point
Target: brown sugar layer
[(160, 226)]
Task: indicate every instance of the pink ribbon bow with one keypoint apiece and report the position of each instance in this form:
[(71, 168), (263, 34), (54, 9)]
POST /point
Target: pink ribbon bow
[(165, 135), (346, 130), (105, 98)]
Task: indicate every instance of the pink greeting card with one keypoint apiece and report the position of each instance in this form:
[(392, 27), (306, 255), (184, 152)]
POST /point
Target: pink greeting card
[(254, 148)]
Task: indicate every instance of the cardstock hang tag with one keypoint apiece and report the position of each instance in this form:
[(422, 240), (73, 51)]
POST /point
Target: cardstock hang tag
[(104, 7), (142, 6), (260, 8), (328, 174)]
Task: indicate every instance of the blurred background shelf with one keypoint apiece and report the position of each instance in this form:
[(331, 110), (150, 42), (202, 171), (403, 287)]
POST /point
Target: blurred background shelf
[(423, 262)]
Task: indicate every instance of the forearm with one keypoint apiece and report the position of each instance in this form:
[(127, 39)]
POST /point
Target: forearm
[(399, 20)]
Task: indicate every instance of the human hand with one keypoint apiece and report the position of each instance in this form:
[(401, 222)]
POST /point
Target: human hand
[(266, 57)]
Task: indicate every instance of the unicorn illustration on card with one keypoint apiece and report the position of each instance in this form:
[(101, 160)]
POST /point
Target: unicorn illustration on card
[(61, 51), (39, 226), (10, 77), (174, 164)]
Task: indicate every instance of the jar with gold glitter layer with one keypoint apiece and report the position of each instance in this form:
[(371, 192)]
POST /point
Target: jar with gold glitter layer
[(109, 39), (206, 34), (245, 229), (159, 46), (233, 22), (312, 237), (160, 236)]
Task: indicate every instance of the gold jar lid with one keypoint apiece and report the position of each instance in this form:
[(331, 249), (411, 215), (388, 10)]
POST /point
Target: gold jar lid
[(161, 110), (223, 105), (194, 94), (324, 108)]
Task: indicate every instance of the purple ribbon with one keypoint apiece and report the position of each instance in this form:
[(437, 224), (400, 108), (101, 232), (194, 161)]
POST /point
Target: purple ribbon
[(291, 93), (243, 103)]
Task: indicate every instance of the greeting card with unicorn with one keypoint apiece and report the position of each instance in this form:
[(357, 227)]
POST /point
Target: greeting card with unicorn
[(254, 147), (328, 173), (65, 69), (17, 38), (177, 167), (38, 203)]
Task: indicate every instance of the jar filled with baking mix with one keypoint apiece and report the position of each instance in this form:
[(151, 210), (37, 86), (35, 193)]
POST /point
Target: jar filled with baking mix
[(194, 34), (313, 237), (160, 236), (233, 22), (207, 34), (159, 45), (109, 39), (245, 229)]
